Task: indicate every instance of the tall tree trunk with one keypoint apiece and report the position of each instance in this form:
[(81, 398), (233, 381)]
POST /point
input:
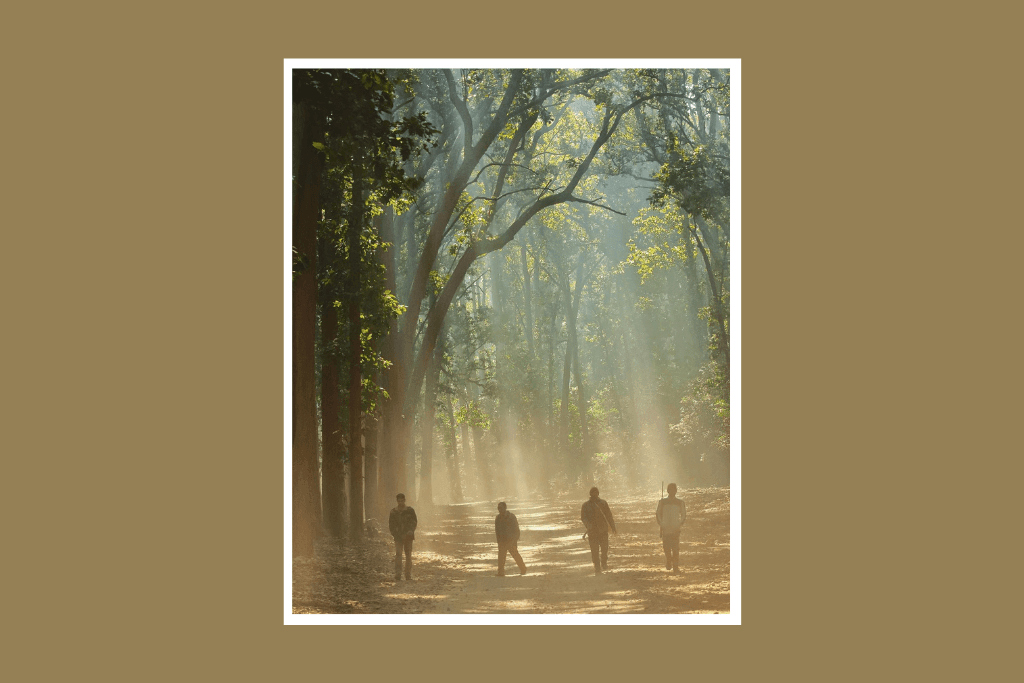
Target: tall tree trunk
[(716, 305), (585, 459), (572, 310), (355, 383), (305, 215), (563, 423), (630, 435), (394, 429), (527, 303), (407, 225), (333, 468), (411, 462), (455, 481), (480, 457), (628, 407), (501, 458), (371, 484), (400, 433), (465, 452), (403, 443), (550, 410), (698, 329), (546, 425), (395, 437), (534, 466), (426, 494), (386, 225)]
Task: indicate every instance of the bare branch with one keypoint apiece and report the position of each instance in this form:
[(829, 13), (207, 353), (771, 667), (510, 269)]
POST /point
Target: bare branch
[(508, 194), (556, 87), (460, 106), (600, 206)]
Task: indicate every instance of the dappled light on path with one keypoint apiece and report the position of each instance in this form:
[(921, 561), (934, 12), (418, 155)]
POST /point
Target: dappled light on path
[(459, 562), (455, 565)]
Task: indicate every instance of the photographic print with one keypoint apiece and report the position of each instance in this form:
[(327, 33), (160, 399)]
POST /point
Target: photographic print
[(513, 316)]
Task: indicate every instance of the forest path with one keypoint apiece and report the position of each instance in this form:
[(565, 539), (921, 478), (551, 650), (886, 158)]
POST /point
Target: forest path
[(455, 561)]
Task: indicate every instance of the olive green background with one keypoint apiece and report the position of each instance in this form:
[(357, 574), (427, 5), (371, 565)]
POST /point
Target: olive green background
[(145, 231)]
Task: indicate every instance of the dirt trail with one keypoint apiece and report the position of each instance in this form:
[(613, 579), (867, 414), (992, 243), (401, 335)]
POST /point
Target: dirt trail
[(455, 564)]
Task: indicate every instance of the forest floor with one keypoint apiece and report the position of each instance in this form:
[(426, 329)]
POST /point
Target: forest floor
[(455, 563)]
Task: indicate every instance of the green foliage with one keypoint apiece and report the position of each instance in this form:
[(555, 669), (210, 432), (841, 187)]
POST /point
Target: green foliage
[(662, 241), (365, 147), (300, 263), (603, 417), (602, 97), (472, 415), (473, 215), (696, 180), (356, 106), (704, 411), (641, 331), (436, 281)]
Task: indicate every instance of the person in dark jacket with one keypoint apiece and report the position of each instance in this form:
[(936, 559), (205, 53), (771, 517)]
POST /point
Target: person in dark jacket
[(402, 524), (670, 515), (597, 517), (506, 528)]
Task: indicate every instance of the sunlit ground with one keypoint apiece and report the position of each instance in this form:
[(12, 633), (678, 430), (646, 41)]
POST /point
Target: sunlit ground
[(416, 596), (455, 565)]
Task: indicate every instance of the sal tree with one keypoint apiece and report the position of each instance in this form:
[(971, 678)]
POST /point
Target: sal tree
[(348, 149)]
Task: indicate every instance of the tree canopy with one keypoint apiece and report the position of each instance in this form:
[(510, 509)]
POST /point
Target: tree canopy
[(533, 270)]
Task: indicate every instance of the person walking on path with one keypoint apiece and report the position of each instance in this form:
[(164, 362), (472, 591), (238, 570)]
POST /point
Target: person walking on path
[(597, 517), (506, 528), (402, 524), (671, 514)]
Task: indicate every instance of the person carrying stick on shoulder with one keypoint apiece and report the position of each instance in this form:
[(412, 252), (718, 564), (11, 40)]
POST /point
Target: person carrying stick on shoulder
[(671, 514)]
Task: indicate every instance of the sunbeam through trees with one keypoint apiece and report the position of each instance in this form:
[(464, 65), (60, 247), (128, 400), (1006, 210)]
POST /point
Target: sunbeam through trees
[(509, 285)]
